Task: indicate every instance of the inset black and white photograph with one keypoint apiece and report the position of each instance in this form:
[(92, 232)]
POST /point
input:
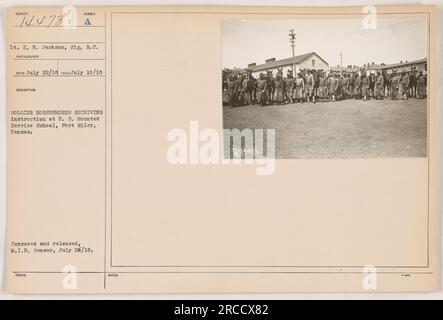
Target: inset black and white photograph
[(331, 88)]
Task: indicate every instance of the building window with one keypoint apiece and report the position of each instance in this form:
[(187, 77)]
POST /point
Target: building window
[(313, 62)]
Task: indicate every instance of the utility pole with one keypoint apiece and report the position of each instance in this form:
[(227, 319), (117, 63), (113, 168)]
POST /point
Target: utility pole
[(292, 42), (341, 59)]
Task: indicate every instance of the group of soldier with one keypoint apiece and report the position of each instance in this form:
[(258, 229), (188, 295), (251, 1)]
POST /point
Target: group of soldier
[(240, 89)]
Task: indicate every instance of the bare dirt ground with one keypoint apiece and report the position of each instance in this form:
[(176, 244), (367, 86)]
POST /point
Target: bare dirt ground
[(342, 129)]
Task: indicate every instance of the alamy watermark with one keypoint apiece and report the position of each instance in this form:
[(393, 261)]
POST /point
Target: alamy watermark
[(247, 146), (370, 275), (69, 280)]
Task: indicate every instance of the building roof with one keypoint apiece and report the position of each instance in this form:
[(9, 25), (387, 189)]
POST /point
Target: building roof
[(283, 62), (374, 66), (273, 64), (344, 69), (404, 64), (394, 65)]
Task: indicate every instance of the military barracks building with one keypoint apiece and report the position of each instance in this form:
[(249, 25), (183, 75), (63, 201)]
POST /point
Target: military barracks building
[(312, 60), (417, 65), (305, 61)]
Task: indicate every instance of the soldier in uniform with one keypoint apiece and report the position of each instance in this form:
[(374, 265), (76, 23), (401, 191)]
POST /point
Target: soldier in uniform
[(309, 88), (387, 84), (262, 89), (299, 88), (244, 90), (394, 85), (379, 87), (351, 84), (365, 87), (252, 88), (332, 85), (322, 88), (231, 88), (372, 79), (421, 85), (404, 86), (226, 98), (279, 88), (315, 73), (289, 86), (412, 84), (345, 86), (339, 91), (270, 86), (357, 87)]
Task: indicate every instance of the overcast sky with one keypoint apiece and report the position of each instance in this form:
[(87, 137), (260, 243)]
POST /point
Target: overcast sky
[(394, 39)]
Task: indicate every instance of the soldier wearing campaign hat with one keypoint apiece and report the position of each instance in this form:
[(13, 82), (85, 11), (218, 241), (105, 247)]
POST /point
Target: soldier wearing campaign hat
[(262, 89), (232, 88), (421, 85), (379, 86), (332, 85), (279, 88), (289, 86), (322, 87), (299, 89), (404, 85), (365, 86), (309, 87), (395, 81)]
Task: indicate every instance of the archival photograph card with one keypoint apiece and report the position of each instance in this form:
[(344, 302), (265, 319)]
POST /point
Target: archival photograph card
[(221, 149)]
